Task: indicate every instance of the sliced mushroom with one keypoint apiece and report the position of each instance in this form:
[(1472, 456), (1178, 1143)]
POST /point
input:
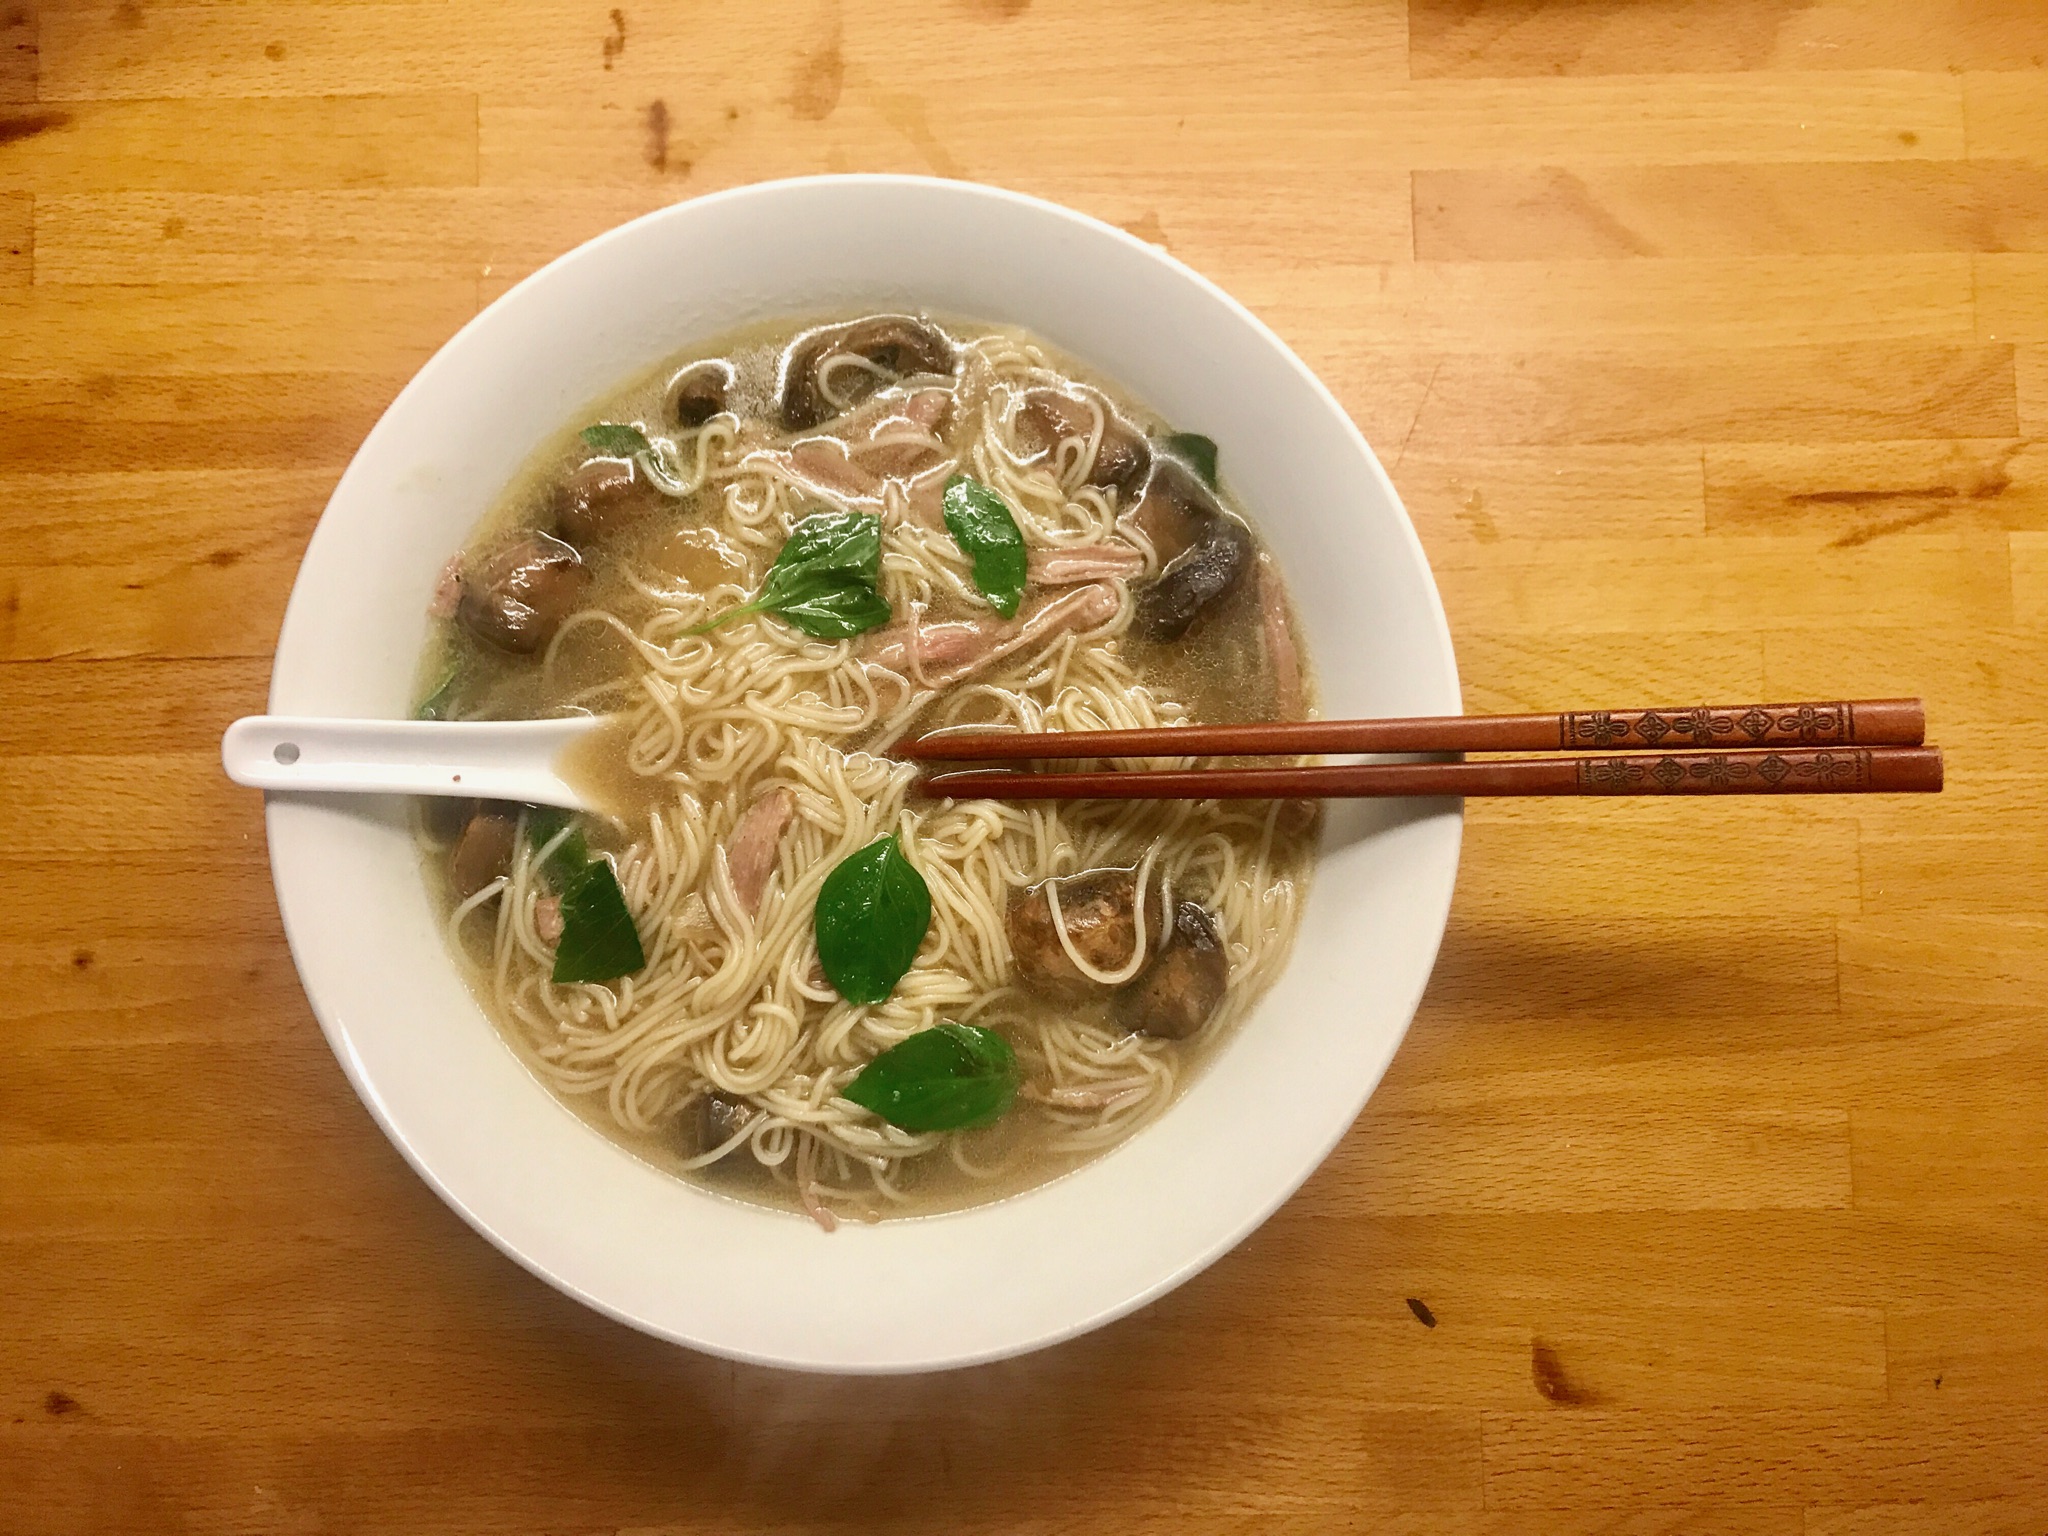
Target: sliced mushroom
[(599, 498), (443, 818), (1174, 513), (701, 392), (1100, 911), (714, 1120), (518, 598), (482, 853), (895, 344), (1202, 574), (1203, 549), (1177, 993), (1048, 416)]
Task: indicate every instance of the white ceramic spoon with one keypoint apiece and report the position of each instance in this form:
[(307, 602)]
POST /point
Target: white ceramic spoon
[(486, 759)]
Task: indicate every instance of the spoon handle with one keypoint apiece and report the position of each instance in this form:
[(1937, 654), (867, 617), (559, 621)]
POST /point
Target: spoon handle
[(484, 759)]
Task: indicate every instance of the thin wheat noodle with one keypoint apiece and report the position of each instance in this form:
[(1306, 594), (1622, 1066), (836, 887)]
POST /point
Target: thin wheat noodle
[(1129, 968)]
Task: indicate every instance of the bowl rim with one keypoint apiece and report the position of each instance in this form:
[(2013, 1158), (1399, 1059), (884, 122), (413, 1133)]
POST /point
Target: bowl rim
[(1431, 897)]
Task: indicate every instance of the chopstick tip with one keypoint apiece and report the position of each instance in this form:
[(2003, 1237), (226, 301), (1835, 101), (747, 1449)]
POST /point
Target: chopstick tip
[(931, 747)]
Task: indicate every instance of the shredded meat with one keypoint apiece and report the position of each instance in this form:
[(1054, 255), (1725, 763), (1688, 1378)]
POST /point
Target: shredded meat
[(807, 1186), (750, 851), (941, 654), (891, 439), (1281, 655), (547, 919), (447, 590), (1085, 562), (1111, 1097)]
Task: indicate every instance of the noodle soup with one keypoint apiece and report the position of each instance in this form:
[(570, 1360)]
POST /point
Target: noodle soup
[(765, 962)]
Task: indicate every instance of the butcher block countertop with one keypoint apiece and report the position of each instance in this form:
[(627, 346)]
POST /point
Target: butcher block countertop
[(1707, 341)]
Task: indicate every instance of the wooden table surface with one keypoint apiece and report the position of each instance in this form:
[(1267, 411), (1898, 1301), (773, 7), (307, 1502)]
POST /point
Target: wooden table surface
[(1708, 342)]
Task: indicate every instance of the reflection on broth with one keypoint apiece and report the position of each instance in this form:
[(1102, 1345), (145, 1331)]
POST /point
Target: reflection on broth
[(700, 558), (765, 962), (600, 767)]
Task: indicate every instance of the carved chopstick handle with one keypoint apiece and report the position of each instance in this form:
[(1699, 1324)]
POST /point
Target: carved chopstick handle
[(1872, 722), (1794, 771)]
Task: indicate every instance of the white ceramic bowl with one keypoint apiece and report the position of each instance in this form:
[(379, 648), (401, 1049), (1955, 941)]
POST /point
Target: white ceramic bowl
[(637, 1243)]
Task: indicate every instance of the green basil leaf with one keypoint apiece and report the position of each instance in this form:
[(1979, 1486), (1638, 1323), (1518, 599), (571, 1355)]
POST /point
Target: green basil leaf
[(656, 456), (599, 941), (946, 1078), (871, 915), (832, 611), (617, 439), (983, 527), (1197, 452), (571, 855), (840, 543), (441, 697), (825, 581)]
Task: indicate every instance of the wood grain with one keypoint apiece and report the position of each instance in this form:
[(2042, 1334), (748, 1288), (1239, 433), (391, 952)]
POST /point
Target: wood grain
[(1855, 392), (17, 239), (1986, 1517), (1853, 494), (1821, 1456), (1553, 212), (188, 145), (306, 424), (2002, 113), (1704, 340), (63, 330), (1546, 37), (1592, 304)]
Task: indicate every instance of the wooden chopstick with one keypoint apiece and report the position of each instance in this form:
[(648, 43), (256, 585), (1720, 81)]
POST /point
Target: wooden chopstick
[(1850, 723), (1792, 771)]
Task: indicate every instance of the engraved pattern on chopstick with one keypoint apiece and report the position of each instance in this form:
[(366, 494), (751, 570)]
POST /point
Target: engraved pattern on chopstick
[(1756, 725), (1715, 772)]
